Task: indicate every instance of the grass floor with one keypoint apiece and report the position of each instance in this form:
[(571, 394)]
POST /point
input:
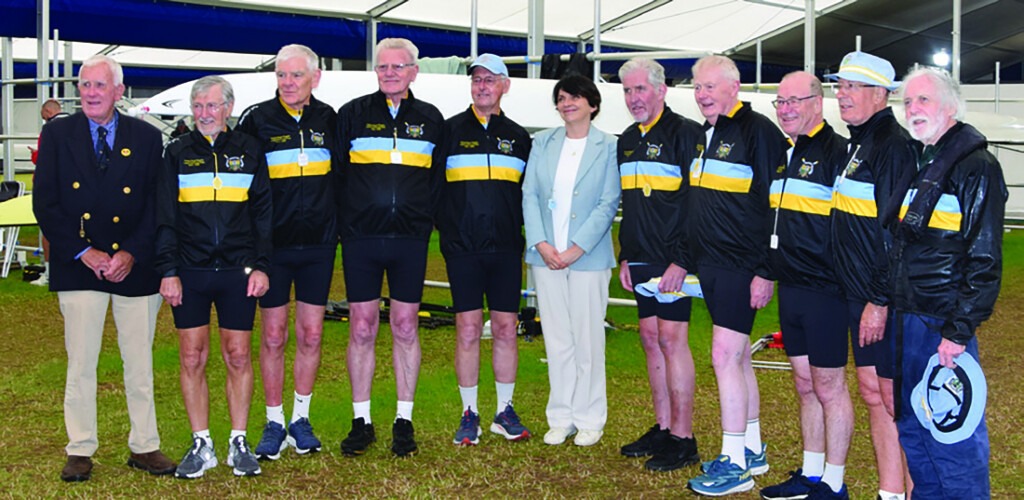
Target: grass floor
[(33, 437)]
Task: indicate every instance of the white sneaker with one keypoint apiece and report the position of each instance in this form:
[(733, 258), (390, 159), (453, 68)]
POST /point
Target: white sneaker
[(558, 435), (42, 280), (587, 438)]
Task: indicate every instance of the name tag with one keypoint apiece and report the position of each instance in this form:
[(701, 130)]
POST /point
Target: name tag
[(396, 157), (303, 159)]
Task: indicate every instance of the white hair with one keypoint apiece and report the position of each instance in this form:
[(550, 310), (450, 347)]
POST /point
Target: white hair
[(948, 88), (114, 66), (655, 71), (295, 50), (398, 43)]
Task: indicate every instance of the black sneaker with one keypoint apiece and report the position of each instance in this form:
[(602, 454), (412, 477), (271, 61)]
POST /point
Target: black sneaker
[(675, 453), (648, 444), (359, 438), (403, 441)]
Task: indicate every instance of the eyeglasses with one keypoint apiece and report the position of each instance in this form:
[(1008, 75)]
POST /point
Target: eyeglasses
[(383, 68), (851, 86), (792, 101), (211, 107), (488, 81)]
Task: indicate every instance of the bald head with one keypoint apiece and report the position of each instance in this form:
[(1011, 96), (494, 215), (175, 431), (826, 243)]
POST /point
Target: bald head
[(50, 109), (798, 105)]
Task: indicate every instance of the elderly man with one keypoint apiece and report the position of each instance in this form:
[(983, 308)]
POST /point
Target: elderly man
[(946, 270), (877, 154), (812, 308), (296, 133), (394, 171), (94, 190), (729, 240), (213, 248), (481, 226), (654, 155)]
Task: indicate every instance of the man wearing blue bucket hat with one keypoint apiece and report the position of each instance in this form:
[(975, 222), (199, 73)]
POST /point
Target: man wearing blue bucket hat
[(877, 154), (945, 269)]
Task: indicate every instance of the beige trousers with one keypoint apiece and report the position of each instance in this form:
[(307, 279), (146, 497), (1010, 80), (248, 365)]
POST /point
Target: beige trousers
[(572, 308), (85, 313)]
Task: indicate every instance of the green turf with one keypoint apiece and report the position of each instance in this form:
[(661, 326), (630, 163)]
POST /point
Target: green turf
[(31, 392)]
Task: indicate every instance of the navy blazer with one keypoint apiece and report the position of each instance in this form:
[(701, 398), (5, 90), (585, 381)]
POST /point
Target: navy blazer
[(595, 199), (77, 206)]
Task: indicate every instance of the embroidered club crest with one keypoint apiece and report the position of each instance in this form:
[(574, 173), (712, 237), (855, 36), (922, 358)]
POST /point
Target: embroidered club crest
[(317, 138), (413, 130), (235, 163), (723, 150), (653, 151), (505, 145), (806, 167)]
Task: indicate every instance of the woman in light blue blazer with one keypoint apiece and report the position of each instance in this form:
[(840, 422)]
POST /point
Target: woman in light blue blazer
[(570, 196)]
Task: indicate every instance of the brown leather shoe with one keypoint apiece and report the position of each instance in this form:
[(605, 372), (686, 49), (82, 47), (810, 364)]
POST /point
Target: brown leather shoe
[(76, 469), (154, 462)]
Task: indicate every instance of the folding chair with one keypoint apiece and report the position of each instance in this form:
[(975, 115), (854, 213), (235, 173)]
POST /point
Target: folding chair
[(9, 234)]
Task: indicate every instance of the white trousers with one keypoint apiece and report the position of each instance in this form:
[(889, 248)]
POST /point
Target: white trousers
[(85, 313), (572, 308)]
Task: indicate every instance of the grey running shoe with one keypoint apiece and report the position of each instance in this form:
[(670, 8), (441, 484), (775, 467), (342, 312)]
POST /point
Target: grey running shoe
[(197, 460), (242, 459)]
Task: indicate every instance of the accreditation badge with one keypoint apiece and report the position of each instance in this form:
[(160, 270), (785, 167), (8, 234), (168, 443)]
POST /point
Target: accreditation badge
[(303, 159), (396, 157)]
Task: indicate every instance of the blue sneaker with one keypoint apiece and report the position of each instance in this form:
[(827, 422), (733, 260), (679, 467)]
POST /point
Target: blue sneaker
[(300, 436), (722, 478), (822, 491), (272, 442), (469, 429), (757, 463), (796, 487), (507, 424)]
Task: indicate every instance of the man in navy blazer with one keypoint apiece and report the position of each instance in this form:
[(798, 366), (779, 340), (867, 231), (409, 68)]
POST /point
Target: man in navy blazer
[(93, 197)]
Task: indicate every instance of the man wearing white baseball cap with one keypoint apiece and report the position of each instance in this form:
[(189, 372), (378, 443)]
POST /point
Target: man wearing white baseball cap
[(480, 222), (878, 153)]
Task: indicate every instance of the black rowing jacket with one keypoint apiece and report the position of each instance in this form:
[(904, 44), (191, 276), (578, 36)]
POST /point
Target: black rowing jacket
[(481, 209), (392, 167), (878, 152), (214, 208), (801, 196), (730, 181), (952, 268), (299, 148), (653, 167)]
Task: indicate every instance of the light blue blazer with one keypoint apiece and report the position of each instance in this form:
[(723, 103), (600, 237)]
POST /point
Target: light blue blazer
[(595, 198)]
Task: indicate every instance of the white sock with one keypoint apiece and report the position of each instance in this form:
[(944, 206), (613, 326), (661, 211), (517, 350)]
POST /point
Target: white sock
[(301, 407), (469, 398), (404, 410), (235, 433), (276, 414), (361, 410), (752, 438), (504, 395), (732, 446), (205, 435), (833, 476), (814, 464), (888, 495)]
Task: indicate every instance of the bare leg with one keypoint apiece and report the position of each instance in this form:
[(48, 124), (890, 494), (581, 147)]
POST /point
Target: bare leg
[(234, 347), (273, 339), (673, 340), (505, 357), (656, 371), (309, 329), (468, 328), (406, 352), (360, 358), (888, 454), (193, 352)]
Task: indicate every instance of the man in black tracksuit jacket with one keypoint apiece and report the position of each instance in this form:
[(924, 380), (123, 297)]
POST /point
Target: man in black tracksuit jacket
[(812, 307), (480, 221), (296, 131), (393, 170), (654, 156), (729, 234), (877, 155), (213, 247)]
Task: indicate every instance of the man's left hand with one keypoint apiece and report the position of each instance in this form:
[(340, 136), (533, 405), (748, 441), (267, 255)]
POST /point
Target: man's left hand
[(872, 324), (120, 265), (760, 292), (948, 351), (672, 279), (259, 283)]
